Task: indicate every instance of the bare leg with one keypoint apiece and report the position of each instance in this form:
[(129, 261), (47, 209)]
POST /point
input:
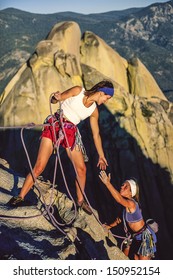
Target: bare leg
[(144, 257), (44, 153), (76, 157), (126, 250), (136, 257)]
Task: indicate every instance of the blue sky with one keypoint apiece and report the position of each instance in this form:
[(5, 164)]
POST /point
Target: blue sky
[(81, 6)]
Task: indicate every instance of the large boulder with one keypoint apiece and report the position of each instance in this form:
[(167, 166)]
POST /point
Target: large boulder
[(54, 66), (97, 54), (57, 65), (141, 82)]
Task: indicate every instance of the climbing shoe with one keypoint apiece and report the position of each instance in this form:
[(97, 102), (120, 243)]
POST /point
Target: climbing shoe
[(16, 201), (84, 205)]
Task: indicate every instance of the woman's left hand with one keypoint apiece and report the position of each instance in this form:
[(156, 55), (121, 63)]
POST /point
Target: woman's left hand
[(102, 163), (106, 226), (104, 178)]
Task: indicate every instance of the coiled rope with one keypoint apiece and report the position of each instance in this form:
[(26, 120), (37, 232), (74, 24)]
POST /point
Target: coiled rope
[(49, 210)]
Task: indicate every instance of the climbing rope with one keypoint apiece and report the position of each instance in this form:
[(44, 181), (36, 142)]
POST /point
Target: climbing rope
[(49, 210), (64, 133)]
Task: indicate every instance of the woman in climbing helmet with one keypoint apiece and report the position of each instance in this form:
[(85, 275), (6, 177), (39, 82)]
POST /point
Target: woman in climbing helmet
[(140, 244), (77, 104)]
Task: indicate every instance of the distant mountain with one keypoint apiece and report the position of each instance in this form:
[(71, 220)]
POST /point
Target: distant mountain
[(143, 32), (136, 127), (148, 34)]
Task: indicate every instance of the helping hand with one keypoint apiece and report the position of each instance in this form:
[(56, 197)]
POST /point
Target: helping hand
[(102, 163), (104, 178)]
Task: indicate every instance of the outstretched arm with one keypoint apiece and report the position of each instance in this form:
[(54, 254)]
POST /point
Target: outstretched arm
[(102, 162), (58, 96), (116, 195)]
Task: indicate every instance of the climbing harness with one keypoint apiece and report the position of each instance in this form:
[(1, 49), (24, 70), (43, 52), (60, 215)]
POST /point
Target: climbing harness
[(145, 235), (48, 211), (128, 238), (80, 145)]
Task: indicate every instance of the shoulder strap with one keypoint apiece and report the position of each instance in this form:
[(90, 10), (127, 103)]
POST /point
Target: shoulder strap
[(124, 221)]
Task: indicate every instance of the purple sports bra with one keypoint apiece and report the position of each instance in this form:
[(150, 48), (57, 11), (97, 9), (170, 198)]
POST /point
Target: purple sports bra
[(136, 216)]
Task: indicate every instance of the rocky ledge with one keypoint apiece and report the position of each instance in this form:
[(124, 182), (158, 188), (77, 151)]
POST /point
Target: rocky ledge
[(48, 226)]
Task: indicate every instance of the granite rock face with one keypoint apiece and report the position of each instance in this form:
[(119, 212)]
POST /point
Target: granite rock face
[(56, 65), (136, 125)]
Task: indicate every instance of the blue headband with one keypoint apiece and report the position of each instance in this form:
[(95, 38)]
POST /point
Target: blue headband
[(107, 90)]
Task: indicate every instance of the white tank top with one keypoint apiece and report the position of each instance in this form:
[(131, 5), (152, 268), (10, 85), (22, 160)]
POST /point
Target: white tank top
[(74, 109)]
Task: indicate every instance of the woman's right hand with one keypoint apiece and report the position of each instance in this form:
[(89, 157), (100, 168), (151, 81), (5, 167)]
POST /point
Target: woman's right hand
[(55, 97)]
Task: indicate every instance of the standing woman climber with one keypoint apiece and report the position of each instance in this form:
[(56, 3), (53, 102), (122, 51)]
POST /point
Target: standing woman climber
[(142, 246), (77, 104)]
